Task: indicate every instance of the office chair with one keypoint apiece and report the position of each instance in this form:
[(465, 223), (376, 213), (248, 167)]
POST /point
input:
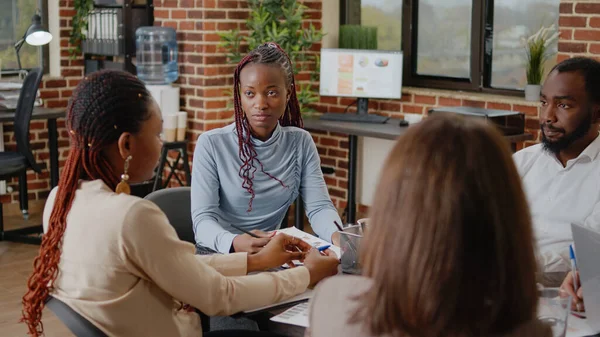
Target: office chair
[(78, 324), (16, 163), (175, 202)]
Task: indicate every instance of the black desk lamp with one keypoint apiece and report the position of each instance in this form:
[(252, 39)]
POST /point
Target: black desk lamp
[(35, 35)]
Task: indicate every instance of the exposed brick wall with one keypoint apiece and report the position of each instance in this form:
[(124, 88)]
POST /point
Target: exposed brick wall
[(55, 93), (579, 24), (204, 74), (204, 77)]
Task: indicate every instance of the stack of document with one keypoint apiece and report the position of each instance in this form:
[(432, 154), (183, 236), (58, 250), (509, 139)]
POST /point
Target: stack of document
[(9, 95), (297, 315), (305, 296)]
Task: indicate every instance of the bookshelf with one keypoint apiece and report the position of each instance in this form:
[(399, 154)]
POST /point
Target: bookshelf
[(110, 37)]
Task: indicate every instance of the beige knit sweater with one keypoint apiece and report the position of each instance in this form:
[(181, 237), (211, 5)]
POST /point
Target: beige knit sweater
[(123, 268)]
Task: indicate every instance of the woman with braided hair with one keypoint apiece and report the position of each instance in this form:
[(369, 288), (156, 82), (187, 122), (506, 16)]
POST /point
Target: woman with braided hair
[(114, 258), (248, 173)]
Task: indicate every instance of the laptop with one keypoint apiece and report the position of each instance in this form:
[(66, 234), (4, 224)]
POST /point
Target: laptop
[(587, 251)]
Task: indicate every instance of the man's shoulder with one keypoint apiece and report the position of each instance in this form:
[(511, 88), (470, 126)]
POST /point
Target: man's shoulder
[(526, 158), (529, 152)]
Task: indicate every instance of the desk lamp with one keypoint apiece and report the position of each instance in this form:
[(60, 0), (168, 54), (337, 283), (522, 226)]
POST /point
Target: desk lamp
[(35, 35)]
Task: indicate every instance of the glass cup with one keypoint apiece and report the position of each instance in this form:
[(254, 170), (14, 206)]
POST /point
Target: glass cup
[(553, 309), (350, 239)]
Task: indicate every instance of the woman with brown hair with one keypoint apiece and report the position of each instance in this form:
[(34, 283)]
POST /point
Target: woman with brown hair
[(114, 258), (449, 248)]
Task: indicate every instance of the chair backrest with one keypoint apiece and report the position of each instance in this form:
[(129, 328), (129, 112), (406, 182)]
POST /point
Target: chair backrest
[(175, 202), (23, 113), (78, 325)]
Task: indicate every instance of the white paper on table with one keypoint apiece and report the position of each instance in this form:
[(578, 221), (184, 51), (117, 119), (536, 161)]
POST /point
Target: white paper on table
[(578, 327), (311, 239), (302, 297), (297, 315)]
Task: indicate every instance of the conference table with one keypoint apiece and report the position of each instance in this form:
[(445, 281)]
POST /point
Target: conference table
[(265, 324)]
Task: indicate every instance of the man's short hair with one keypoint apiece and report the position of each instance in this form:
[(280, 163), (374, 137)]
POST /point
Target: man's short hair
[(589, 69)]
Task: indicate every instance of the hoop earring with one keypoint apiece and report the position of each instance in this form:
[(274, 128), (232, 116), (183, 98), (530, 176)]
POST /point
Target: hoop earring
[(123, 186)]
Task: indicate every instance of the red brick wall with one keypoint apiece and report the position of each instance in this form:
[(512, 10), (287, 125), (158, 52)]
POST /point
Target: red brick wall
[(580, 29), (579, 24), (204, 77), (55, 93)]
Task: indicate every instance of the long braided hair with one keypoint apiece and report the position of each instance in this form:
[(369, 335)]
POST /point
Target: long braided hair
[(103, 106), (271, 54)]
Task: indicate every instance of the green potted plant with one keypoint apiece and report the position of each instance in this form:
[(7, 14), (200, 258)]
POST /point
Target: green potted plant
[(358, 37), (79, 24), (279, 21), (538, 51)]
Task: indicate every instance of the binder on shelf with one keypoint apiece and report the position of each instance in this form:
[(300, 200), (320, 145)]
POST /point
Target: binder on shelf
[(105, 34)]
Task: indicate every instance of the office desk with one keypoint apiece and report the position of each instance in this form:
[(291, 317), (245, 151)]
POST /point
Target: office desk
[(390, 130), (7, 116)]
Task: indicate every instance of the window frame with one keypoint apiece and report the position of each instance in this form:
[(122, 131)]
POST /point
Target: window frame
[(482, 26), (45, 51)]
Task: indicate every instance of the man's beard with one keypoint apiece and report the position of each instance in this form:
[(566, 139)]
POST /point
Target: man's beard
[(563, 143)]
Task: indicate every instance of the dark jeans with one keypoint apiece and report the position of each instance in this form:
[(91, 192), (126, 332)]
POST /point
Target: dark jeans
[(243, 326), (241, 333)]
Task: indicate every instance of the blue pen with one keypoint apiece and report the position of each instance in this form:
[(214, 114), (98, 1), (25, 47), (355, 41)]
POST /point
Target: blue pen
[(323, 248), (574, 273)]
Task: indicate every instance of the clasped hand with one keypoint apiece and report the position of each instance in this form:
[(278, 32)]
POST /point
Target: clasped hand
[(283, 249)]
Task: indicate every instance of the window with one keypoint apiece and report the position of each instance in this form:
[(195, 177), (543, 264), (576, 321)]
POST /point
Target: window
[(444, 38), (15, 18), (459, 44), (386, 16), (513, 20)]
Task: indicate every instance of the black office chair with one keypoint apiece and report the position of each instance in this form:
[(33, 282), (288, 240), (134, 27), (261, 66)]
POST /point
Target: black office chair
[(175, 202), (78, 324), (16, 163)]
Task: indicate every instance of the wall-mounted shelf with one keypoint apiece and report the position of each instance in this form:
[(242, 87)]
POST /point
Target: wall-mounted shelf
[(110, 42)]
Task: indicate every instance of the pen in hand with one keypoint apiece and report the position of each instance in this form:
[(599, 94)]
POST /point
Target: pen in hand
[(574, 273), (323, 248), (245, 231)]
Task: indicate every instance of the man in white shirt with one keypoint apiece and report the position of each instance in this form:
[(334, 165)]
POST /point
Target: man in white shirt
[(561, 176)]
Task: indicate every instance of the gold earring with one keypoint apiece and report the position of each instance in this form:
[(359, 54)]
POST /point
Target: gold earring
[(123, 186)]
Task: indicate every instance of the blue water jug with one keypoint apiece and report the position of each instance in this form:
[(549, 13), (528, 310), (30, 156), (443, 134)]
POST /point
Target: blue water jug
[(156, 55)]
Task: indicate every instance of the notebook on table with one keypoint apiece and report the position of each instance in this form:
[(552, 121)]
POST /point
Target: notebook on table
[(313, 241), (587, 248)]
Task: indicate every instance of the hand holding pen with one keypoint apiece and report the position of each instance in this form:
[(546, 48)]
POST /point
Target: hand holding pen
[(572, 285), (252, 241)]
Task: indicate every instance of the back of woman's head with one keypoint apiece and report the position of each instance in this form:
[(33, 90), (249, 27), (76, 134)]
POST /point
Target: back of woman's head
[(103, 106), (450, 246)]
